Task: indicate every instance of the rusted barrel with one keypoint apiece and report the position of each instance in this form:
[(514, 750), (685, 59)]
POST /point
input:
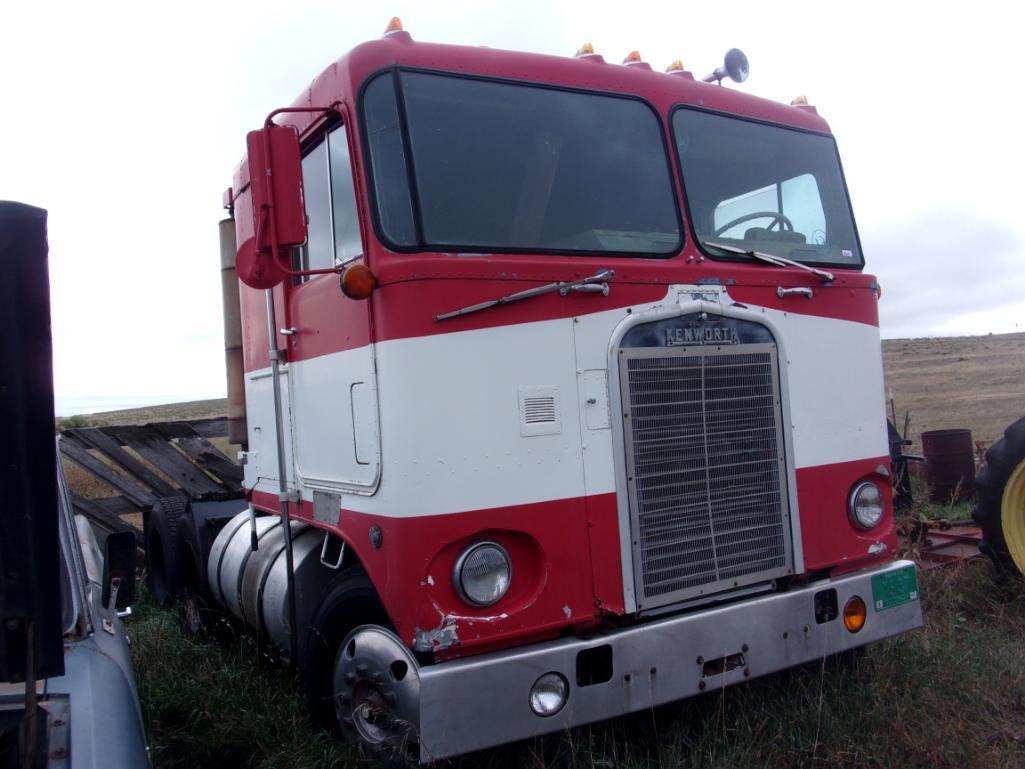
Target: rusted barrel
[(949, 465)]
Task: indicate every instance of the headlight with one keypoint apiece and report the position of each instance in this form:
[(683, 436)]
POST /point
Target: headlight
[(482, 573), (865, 505)]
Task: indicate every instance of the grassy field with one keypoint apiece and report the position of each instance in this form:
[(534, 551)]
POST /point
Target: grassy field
[(169, 412), (951, 695), (974, 382)]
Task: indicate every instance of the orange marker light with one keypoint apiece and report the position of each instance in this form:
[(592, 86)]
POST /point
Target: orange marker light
[(585, 50), (854, 614), (799, 100), (676, 66), (358, 282), (632, 58), (395, 25)]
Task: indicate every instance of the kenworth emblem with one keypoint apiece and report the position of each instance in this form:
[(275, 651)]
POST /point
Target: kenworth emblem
[(703, 334)]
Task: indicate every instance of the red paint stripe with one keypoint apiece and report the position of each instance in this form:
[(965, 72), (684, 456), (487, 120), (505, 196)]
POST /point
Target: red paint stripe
[(551, 551), (566, 562), (415, 291), (325, 320), (830, 539)]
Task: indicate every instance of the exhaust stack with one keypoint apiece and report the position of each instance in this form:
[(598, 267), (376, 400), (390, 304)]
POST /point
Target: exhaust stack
[(232, 336)]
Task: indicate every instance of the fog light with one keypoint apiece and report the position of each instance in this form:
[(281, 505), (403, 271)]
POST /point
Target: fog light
[(854, 614), (549, 694)]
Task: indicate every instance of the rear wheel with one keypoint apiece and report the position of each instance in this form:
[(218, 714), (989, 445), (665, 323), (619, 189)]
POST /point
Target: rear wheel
[(163, 576), (1000, 505), (195, 590)]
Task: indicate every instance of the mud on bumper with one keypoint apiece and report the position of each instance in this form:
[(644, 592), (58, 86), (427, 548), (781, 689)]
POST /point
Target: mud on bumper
[(479, 702)]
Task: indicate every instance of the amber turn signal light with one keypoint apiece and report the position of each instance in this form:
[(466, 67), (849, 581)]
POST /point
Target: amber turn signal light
[(358, 282), (854, 614)]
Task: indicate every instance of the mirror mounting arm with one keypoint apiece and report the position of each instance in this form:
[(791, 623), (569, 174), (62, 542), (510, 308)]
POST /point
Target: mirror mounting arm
[(279, 210), (266, 212)]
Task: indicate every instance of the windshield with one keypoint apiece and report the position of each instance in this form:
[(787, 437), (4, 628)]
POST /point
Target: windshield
[(765, 188), (482, 165)]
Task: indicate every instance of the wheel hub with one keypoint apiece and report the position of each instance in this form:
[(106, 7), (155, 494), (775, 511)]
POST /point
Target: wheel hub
[(377, 692), (1012, 515)]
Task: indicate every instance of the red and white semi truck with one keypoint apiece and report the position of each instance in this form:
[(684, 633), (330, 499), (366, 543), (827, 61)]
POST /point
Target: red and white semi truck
[(567, 375)]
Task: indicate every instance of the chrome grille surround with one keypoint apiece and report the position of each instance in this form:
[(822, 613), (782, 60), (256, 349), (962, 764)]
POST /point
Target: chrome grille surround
[(706, 469)]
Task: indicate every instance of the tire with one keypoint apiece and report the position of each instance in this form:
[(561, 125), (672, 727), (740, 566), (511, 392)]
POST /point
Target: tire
[(1000, 491), (194, 596), (163, 576), (347, 603)]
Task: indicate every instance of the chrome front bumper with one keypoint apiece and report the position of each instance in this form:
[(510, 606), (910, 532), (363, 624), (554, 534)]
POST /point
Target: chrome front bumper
[(482, 701)]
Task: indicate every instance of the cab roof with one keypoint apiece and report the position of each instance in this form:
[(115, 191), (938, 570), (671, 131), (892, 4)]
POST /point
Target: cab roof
[(341, 82)]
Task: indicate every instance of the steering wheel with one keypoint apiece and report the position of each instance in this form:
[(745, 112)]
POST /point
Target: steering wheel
[(775, 216)]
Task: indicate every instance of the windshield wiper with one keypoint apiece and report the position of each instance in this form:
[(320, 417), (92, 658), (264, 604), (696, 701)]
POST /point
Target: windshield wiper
[(779, 261), (593, 284)]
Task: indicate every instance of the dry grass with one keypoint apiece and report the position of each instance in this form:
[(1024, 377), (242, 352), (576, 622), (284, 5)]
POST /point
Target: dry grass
[(973, 382), (951, 695)]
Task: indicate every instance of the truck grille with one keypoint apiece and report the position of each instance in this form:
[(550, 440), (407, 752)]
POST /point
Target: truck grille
[(705, 469)]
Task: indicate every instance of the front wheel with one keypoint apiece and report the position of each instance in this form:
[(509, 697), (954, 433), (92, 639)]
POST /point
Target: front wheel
[(360, 682)]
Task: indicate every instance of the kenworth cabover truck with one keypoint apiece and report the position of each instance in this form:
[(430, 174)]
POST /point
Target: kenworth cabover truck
[(566, 376)]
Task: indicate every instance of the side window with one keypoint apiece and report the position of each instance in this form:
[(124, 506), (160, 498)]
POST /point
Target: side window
[(803, 206), (753, 215), (343, 198), (319, 249), (330, 204)]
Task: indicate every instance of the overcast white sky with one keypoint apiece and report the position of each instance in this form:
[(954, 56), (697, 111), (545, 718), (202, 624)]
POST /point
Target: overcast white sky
[(125, 121)]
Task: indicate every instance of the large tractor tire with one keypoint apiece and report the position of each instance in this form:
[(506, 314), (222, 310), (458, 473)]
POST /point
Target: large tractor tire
[(1000, 500), (163, 575)]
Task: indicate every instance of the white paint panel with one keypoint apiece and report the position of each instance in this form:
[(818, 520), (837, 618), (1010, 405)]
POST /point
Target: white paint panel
[(450, 420), (261, 469), (836, 390), (326, 427)]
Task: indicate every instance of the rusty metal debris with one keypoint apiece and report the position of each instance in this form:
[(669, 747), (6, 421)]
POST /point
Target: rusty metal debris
[(934, 543)]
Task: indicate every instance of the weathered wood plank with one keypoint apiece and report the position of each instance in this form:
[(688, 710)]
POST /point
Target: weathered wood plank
[(155, 448), (118, 505), (210, 428), (202, 452), (103, 518), (77, 453), (206, 455), (99, 440)]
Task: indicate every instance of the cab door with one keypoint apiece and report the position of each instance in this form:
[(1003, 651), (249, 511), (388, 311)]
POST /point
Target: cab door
[(333, 385)]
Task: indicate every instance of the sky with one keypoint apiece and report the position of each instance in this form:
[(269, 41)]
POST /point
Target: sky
[(126, 119)]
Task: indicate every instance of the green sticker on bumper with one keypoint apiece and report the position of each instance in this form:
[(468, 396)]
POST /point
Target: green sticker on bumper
[(893, 588)]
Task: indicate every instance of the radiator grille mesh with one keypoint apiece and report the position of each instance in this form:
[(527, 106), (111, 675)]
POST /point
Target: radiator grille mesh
[(705, 468)]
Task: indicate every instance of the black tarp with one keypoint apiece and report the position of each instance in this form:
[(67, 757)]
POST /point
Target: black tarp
[(29, 543)]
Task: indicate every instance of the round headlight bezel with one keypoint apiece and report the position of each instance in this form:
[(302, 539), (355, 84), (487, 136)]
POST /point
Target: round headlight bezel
[(457, 573), (560, 682), (854, 506)]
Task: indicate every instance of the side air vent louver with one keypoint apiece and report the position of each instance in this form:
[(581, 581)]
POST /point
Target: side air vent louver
[(539, 411)]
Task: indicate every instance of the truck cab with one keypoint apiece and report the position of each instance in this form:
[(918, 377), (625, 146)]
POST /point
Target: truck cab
[(580, 362)]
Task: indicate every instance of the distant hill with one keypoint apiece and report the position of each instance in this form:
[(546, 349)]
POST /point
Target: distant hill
[(974, 382), (170, 412)]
